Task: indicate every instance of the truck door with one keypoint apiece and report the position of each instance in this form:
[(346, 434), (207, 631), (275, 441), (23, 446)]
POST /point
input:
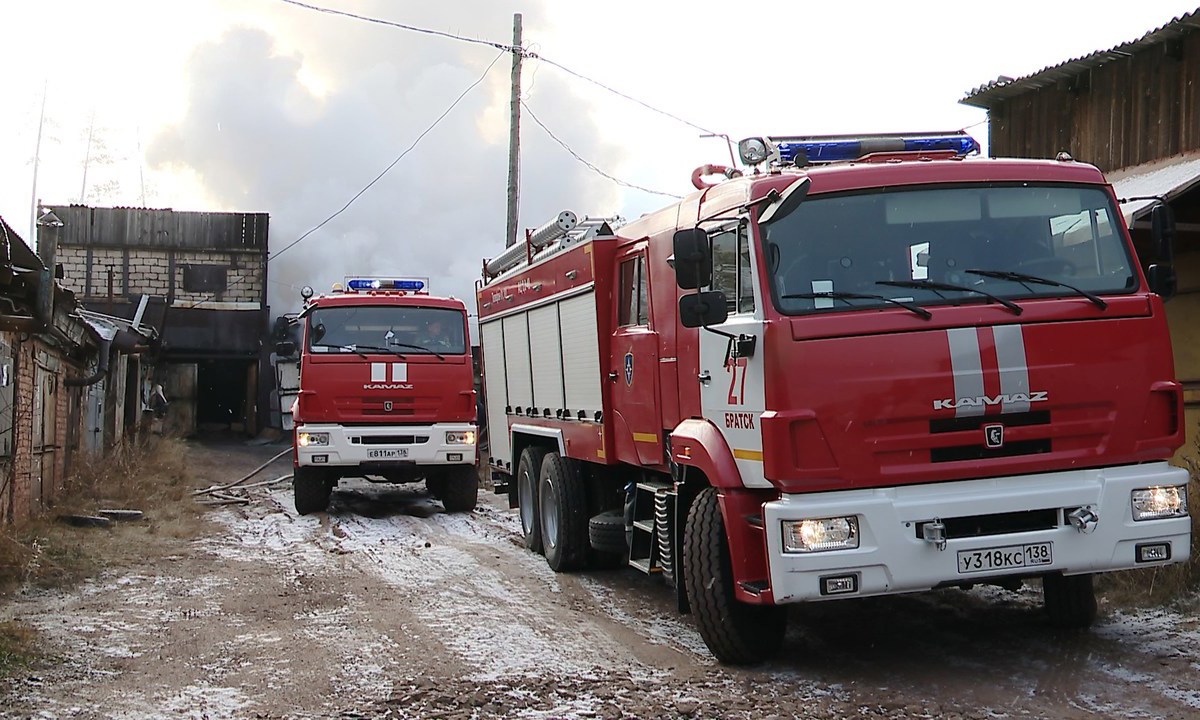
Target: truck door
[(731, 389), (633, 365)]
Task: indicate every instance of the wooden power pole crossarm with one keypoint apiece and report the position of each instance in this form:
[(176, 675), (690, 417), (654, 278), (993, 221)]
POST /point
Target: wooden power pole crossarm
[(514, 137)]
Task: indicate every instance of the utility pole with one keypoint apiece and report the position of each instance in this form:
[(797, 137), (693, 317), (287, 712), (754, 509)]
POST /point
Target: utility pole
[(37, 153), (514, 137)]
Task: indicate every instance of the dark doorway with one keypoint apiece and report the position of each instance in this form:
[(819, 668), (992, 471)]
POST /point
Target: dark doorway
[(221, 394)]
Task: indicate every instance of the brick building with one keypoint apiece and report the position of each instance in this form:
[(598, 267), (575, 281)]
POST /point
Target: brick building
[(70, 380), (201, 278)]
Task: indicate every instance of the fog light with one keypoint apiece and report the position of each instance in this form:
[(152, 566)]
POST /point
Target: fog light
[(453, 457), (1153, 552), (806, 536), (1156, 503), (463, 437), (839, 584), (318, 459)]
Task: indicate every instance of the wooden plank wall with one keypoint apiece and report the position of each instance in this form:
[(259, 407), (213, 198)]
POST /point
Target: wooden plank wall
[(1125, 112), (163, 229)]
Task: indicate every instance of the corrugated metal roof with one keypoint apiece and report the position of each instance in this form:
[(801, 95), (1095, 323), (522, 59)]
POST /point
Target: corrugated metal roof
[(1002, 88), (1167, 179)]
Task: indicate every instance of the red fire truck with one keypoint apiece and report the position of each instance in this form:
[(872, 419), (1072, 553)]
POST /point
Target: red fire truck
[(856, 367), (387, 392)]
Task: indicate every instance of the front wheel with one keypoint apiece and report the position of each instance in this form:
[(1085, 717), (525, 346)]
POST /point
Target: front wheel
[(1070, 600), (457, 488), (736, 633), (311, 489)]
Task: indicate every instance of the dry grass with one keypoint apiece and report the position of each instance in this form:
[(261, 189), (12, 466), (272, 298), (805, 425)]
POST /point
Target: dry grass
[(18, 647), (152, 476), (1173, 584)]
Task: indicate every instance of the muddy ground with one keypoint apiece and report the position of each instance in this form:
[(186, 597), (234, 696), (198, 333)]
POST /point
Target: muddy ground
[(388, 607)]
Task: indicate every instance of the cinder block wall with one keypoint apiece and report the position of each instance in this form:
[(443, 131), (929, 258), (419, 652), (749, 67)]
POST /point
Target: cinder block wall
[(150, 273)]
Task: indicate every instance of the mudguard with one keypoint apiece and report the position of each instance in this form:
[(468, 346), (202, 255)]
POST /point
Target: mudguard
[(698, 443)]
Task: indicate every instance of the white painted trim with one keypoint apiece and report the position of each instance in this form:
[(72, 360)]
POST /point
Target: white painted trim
[(541, 432)]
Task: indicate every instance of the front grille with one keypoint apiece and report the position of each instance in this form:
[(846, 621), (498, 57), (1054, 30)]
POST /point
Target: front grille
[(996, 524), (390, 440), (976, 422), (982, 452)]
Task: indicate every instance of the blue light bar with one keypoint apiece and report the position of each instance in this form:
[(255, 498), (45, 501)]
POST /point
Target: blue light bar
[(841, 148), (406, 284)]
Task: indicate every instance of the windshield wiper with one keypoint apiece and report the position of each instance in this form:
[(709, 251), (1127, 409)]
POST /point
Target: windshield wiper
[(1023, 278), (422, 348), (351, 348), (379, 349), (845, 296), (935, 286)]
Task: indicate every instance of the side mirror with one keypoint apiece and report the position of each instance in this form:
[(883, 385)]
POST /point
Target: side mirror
[(285, 348), (1161, 275), (787, 202), (693, 259), (703, 309), (1162, 280)]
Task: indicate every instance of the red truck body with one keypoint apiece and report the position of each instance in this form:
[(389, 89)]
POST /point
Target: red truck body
[(386, 393), (856, 428)]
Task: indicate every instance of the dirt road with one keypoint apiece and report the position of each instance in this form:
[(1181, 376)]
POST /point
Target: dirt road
[(388, 607)]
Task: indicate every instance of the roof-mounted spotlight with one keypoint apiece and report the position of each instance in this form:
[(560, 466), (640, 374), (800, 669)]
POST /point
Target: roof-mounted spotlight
[(753, 150), (306, 292)]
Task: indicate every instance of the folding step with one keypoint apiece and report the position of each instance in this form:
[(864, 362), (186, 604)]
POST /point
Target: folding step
[(650, 549)]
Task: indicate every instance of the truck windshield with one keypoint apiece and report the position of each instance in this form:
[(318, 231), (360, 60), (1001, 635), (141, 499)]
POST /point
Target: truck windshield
[(1022, 241), (388, 328)]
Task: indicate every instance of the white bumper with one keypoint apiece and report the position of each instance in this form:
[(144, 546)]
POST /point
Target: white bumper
[(891, 558), (401, 444)]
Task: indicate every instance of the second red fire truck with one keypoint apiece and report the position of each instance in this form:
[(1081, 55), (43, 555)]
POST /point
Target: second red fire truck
[(386, 392), (856, 367)]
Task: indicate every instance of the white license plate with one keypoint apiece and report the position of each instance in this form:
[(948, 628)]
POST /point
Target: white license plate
[(1004, 558), (387, 454)]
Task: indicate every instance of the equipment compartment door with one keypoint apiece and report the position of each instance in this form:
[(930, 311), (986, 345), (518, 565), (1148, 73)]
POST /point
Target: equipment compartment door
[(633, 366)]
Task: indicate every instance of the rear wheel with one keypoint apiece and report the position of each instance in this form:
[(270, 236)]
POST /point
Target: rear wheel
[(457, 488), (529, 467), (1070, 600), (562, 500), (736, 633), (311, 488)]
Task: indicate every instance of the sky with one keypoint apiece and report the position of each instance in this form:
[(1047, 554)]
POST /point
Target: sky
[(267, 106)]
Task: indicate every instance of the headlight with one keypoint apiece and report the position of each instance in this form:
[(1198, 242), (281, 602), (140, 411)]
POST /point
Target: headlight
[(460, 437), (806, 536), (1160, 502), (307, 439)]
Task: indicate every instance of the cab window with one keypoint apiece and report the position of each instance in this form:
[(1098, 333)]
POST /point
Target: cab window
[(634, 304), (731, 269)]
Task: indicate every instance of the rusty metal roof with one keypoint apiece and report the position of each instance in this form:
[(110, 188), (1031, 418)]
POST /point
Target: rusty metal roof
[(1002, 88)]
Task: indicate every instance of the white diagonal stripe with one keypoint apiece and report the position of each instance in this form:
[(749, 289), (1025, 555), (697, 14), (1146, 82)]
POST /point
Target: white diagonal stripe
[(399, 372), (967, 365), (378, 372), (1014, 367)]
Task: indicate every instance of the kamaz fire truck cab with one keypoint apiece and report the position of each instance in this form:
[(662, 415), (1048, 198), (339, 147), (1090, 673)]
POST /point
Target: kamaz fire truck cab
[(386, 392), (855, 368)]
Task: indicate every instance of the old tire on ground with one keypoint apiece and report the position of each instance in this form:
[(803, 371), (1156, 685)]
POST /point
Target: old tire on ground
[(736, 633), (1070, 600), (529, 467), (562, 505), (458, 488), (311, 489)]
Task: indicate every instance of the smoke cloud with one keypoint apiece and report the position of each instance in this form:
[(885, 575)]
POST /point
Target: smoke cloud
[(297, 119)]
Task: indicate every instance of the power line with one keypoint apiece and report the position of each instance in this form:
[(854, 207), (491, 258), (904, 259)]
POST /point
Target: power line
[(591, 166), (620, 94), (398, 158), (506, 47), (402, 26)]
